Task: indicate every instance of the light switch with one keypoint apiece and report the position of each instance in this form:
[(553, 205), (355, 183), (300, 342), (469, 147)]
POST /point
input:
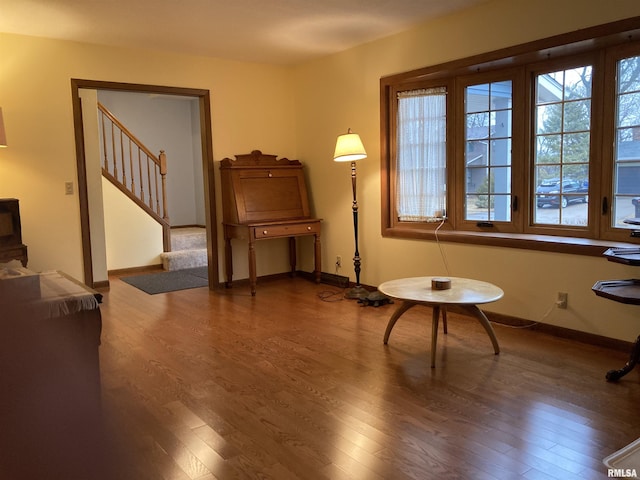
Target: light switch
[(68, 188)]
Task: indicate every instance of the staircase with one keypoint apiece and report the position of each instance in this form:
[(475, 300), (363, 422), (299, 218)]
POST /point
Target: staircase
[(141, 176), (134, 170), (188, 249)]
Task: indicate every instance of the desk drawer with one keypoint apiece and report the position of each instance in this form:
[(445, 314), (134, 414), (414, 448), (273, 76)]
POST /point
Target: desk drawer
[(271, 231)]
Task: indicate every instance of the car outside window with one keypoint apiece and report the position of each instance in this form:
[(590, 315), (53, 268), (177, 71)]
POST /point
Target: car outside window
[(526, 146)]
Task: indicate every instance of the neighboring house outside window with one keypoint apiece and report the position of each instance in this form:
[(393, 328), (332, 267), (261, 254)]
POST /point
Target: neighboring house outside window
[(542, 148), (562, 119), (626, 183), (488, 122)]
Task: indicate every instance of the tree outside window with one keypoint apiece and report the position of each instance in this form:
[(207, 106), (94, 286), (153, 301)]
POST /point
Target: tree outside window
[(532, 141), (562, 133), (488, 112)]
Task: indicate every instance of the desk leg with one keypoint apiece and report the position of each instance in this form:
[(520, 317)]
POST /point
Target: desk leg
[(292, 255), (479, 314), (394, 318), (228, 262), (252, 267), (634, 358), (318, 258)]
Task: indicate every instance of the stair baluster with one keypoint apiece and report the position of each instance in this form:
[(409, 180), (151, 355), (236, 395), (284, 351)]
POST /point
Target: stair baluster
[(155, 166)]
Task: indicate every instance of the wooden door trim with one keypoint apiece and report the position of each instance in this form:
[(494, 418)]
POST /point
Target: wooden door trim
[(207, 165)]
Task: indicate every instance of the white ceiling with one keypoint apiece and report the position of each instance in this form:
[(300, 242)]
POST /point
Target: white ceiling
[(266, 31)]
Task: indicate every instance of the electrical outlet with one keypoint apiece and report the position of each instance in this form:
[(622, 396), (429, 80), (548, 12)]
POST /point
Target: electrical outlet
[(68, 188), (338, 261), (561, 302)]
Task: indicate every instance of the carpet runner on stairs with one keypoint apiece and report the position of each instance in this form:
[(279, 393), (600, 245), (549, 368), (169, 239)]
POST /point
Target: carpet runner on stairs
[(188, 249)]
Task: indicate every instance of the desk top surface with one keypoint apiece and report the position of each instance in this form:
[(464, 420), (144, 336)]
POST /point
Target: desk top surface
[(293, 221), (463, 291)]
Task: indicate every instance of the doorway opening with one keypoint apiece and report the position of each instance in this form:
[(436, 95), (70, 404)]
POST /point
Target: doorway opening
[(91, 246)]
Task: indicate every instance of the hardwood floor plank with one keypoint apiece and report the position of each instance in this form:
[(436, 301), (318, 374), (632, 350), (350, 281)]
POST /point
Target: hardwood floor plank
[(221, 385), (217, 442)]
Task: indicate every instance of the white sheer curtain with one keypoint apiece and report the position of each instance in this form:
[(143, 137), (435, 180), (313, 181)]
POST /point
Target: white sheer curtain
[(421, 155)]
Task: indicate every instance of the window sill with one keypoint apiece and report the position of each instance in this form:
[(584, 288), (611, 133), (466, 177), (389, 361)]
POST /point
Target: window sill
[(545, 243)]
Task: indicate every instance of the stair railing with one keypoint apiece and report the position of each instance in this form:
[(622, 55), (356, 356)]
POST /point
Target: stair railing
[(135, 170)]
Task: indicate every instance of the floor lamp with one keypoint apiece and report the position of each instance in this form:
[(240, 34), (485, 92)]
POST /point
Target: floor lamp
[(349, 148)]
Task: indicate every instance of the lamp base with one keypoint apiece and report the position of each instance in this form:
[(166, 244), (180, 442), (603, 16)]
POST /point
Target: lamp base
[(375, 299), (357, 293)]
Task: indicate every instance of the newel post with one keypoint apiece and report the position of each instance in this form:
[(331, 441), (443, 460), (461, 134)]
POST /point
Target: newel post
[(163, 174)]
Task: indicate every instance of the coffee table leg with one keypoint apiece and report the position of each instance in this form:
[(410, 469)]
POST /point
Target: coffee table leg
[(434, 334), (482, 318), (394, 318), (444, 319)]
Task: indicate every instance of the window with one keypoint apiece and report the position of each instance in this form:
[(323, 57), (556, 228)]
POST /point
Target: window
[(421, 154), (626, 169), (548, 150), (487, 156), (562, 144)]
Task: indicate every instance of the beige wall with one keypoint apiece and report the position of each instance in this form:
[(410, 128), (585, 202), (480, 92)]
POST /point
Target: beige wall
[(251, 108), (298, 113), (133, 238), (342, 91)]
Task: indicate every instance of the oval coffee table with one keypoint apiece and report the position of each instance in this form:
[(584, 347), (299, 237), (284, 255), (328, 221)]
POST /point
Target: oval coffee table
[(464, 293)]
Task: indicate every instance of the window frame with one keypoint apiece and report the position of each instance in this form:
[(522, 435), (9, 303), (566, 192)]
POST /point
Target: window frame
[(609, 136), (564, 63), (597, 44), (392, 212), (516, 76)]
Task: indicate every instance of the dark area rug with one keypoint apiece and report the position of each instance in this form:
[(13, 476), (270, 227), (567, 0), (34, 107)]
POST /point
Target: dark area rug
[(162, 282)]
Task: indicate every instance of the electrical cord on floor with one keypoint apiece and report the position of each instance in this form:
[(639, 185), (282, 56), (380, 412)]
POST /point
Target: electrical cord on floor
[(331, 295)]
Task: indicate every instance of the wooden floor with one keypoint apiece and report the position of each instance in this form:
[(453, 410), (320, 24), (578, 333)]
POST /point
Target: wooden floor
[(295, 383)]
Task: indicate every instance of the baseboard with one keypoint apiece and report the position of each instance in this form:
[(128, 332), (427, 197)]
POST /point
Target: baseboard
[(327, 278), (135, 270), (553, 330), (339, 281), (244, 282), (103, 285), (561, 332), (187, 226)]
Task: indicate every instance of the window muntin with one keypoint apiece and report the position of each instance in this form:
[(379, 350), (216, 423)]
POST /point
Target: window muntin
[(487, 155), (421, 155), (562, 115), (626, 168), (601, 47)]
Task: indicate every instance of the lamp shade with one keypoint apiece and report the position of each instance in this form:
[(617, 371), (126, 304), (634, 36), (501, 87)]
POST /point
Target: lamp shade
[(349, 148), (3, 135)]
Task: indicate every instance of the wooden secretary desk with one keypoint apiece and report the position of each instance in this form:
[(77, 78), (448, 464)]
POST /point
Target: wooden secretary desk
[(264, 197)]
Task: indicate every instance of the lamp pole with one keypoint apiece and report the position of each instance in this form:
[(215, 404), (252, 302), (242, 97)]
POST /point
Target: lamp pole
[(357, 291), (349, 148)]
